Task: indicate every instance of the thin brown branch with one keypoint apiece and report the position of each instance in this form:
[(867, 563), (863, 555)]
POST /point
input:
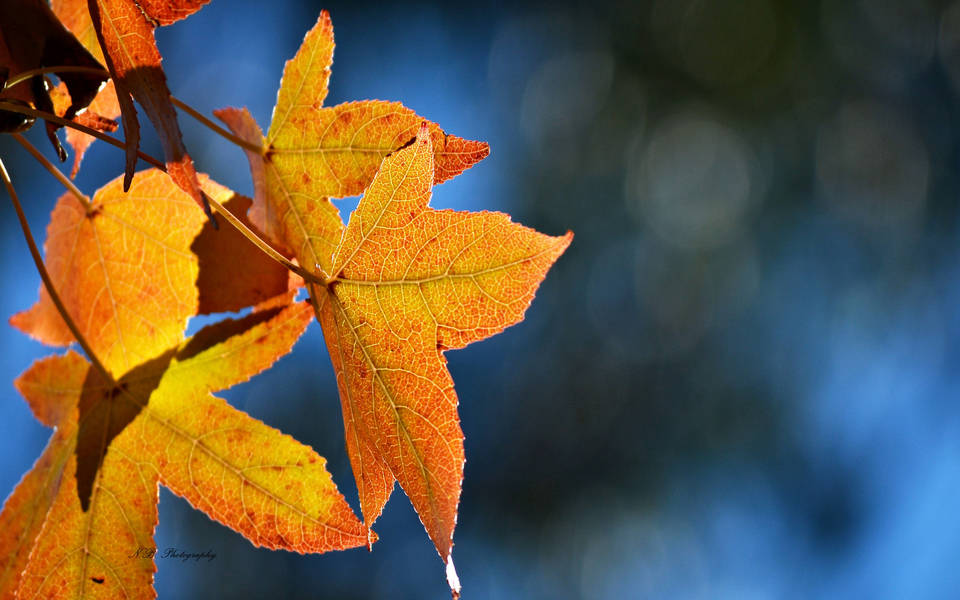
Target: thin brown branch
[(243, 229), (261, 243), (25, 75), (45, 276), (214, 127), (63, 179), (39, 114)]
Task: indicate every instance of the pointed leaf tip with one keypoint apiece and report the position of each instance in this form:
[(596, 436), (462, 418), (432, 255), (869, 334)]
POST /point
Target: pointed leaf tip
[(452, 580), (260, 482), (412, 282)]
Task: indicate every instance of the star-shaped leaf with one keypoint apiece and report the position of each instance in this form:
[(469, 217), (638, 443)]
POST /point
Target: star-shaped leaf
[(98, 260), (402, 282), (125, 29), (412, 282), (312, 153), (95, 488), (130, 271)]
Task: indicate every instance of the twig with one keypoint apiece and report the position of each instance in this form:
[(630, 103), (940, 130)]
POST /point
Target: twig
[(39, 114), (47, 282), (243, 229), (213, 126), (63, 179), (25, 75)]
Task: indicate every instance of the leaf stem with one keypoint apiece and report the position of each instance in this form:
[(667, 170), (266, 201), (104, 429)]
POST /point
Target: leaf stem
[(45, 276), (214, 127), (63, 179), (243, 229), (39, 114), (25, 75), (261, 243)]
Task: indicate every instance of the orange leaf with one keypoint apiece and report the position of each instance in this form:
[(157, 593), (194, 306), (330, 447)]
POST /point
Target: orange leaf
[(312, 153), (412, 282), (139, 265), (75, 16), (98, 261), (31, 37), (166, 12), (233, 272), (159, 424), (50, 389), (125, 30)]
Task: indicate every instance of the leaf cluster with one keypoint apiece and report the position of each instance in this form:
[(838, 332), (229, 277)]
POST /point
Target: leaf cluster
[(125, 269)]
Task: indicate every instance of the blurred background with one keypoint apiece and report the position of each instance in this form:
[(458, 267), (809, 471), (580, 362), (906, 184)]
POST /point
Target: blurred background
[(740, 381)]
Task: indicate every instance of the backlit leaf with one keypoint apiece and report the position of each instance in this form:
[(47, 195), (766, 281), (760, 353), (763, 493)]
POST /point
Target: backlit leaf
[(159, 424), (139, 265), (50, 387), (127, 319), (75, 16), (125, 31), (312, 153), (411, 283)]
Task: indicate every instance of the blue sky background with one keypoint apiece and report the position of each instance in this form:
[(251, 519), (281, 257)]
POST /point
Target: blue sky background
[(740, 381)]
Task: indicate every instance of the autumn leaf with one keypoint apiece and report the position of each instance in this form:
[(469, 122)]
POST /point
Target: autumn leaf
[(403, 282), (97, 481), (50, 388), (412, 282), (75, 16), (125, 31), (394, 289), (312, 153), (233, 273), (137, 266), (130, 271), (100, 115), (31, 37)]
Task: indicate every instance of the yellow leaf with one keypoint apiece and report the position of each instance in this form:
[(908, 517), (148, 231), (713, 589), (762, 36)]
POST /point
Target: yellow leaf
[(312, 153), (51, 388), (411, 283), (159, 424), (132, 271)]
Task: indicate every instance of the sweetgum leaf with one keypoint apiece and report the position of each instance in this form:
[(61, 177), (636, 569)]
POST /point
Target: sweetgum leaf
[(404, 282), (125, 31), (312, 153), (50, 389), (31, 37), (134, 270), (130, 271), (125, 272), (413, 282), (159, 424)]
